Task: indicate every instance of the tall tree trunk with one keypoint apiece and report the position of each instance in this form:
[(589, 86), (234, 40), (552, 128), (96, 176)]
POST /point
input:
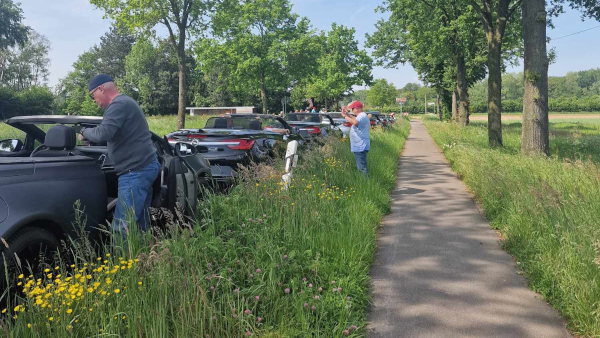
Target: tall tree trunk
[(454, 106), (535, 134), (463, 91), (181, 102), (494, 91), (263, 91)]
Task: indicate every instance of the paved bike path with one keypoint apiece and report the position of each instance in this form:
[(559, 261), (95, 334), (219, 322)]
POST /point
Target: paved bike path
[(439, 270)]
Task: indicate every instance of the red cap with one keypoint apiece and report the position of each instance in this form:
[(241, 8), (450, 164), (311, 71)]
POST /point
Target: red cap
[(355, 104)]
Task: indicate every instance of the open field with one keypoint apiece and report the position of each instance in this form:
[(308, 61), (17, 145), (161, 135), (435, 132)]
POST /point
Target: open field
[(259, 261), (517, 117), (547, 210)]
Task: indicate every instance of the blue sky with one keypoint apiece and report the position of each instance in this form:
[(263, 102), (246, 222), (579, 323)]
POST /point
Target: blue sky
[(73, 26)]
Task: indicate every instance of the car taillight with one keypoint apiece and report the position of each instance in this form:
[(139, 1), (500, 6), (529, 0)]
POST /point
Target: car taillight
[(347, 124), (190, 137), (242, 144), (313, 130), (372, 123)]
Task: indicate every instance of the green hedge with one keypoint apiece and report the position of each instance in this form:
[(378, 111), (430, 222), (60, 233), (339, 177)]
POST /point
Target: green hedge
[(35, 101)]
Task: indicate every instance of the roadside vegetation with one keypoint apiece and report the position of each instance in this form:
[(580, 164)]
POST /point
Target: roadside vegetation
[(260, 261), (547, 209)]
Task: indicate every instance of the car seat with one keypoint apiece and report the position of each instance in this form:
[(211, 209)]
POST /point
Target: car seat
[(255, 125), (220, 123), (59, 141)]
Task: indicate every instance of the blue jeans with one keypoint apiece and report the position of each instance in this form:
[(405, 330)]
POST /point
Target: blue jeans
[(135, 197), (361, 162)]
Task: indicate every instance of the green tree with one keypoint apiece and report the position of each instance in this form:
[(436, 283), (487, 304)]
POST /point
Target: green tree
[(152, 72), (27, 65), (381, 94), (341, 64), (496, 16), (180, 17), (12, 30), (441, 40), (107, 57), (255, 41)]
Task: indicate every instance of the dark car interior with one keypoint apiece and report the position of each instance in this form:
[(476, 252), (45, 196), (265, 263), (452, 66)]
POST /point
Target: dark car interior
[(61, 141)]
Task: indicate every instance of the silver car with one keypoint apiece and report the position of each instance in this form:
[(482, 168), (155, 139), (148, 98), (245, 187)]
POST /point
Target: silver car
[(342, 124)]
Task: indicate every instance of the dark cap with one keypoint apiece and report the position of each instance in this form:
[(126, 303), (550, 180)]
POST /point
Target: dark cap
[(99, 80)]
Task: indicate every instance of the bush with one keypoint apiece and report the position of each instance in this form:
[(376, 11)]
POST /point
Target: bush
[(35, 101)]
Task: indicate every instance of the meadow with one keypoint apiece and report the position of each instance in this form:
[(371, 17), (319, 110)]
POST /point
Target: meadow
[(259, 261), (547, 210)]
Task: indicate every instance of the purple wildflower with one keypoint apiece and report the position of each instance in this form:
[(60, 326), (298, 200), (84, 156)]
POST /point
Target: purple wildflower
[(317, 297), (251, 276), (247, 312), (236, 290), (348, 298), (286, 290), (305, 305), (257, 298), (285, 257), (346, 333), (320, 289), (258, 270), (310, 285), (339, 289), (313, 308), (259, 319)]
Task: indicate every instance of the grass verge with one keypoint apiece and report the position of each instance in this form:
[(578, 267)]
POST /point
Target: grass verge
[(260, 261), (547, 211)]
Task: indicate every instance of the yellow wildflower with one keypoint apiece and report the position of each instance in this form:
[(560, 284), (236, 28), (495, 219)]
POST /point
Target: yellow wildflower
[(69, 311)]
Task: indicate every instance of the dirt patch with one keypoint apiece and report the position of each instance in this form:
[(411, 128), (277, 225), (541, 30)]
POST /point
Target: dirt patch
[(551, 117)]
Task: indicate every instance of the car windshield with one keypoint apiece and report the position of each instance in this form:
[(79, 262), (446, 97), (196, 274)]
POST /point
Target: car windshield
[(336, 115), (304, 118)]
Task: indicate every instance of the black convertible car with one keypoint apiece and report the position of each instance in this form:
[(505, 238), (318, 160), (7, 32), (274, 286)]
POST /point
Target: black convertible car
[(315, 124), (229, 140), (43, 172)]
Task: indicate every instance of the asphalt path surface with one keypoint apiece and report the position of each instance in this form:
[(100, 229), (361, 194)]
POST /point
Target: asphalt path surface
[(439, 270)]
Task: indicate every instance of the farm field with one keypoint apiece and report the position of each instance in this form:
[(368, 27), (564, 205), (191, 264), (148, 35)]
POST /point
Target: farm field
[(259, 261), (546, 210), (592, 117)]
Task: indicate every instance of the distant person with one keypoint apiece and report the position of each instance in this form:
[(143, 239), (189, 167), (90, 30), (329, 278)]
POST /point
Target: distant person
[(360, 143), (313, 111), (125, 129)]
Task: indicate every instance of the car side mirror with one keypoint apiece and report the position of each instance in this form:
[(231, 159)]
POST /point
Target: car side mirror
[(295, 130), (11, 145), (184, 150)]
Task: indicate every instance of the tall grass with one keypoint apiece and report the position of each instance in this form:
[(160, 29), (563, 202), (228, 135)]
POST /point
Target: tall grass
[(547, 210), (260, 261)]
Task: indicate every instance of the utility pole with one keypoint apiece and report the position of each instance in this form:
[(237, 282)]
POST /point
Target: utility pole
[(425, 102)]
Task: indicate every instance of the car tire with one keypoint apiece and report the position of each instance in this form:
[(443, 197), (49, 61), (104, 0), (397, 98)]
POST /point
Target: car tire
[(27, 244)]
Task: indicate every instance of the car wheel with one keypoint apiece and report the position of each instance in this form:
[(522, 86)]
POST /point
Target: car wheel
[(32, 247)]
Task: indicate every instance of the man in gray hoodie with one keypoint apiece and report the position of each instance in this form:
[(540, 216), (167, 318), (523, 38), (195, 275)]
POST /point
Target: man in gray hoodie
[(125, 129)]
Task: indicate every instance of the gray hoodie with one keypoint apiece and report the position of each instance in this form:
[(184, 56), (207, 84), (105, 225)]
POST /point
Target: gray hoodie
[(126, 131)]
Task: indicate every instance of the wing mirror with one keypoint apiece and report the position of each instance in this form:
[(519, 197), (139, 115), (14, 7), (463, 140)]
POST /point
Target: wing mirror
[(184, 150), (11, 145)]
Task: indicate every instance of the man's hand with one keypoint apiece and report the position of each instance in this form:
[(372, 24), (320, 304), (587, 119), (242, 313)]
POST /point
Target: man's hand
[(80, 137), (344, 111)]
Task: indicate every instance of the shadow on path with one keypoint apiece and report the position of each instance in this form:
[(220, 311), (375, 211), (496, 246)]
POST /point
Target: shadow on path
[(439, 270)]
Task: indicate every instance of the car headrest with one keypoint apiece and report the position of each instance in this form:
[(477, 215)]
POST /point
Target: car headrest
[(60, 137), (255, 125), (292, 118), (221, 123)]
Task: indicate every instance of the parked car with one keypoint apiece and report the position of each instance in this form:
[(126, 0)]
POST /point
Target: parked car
[(375, 118), (316, 125), (238, 139), (44, 172)]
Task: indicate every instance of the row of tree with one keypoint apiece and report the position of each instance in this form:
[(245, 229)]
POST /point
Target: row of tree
[(454, 44), (216, 53)]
